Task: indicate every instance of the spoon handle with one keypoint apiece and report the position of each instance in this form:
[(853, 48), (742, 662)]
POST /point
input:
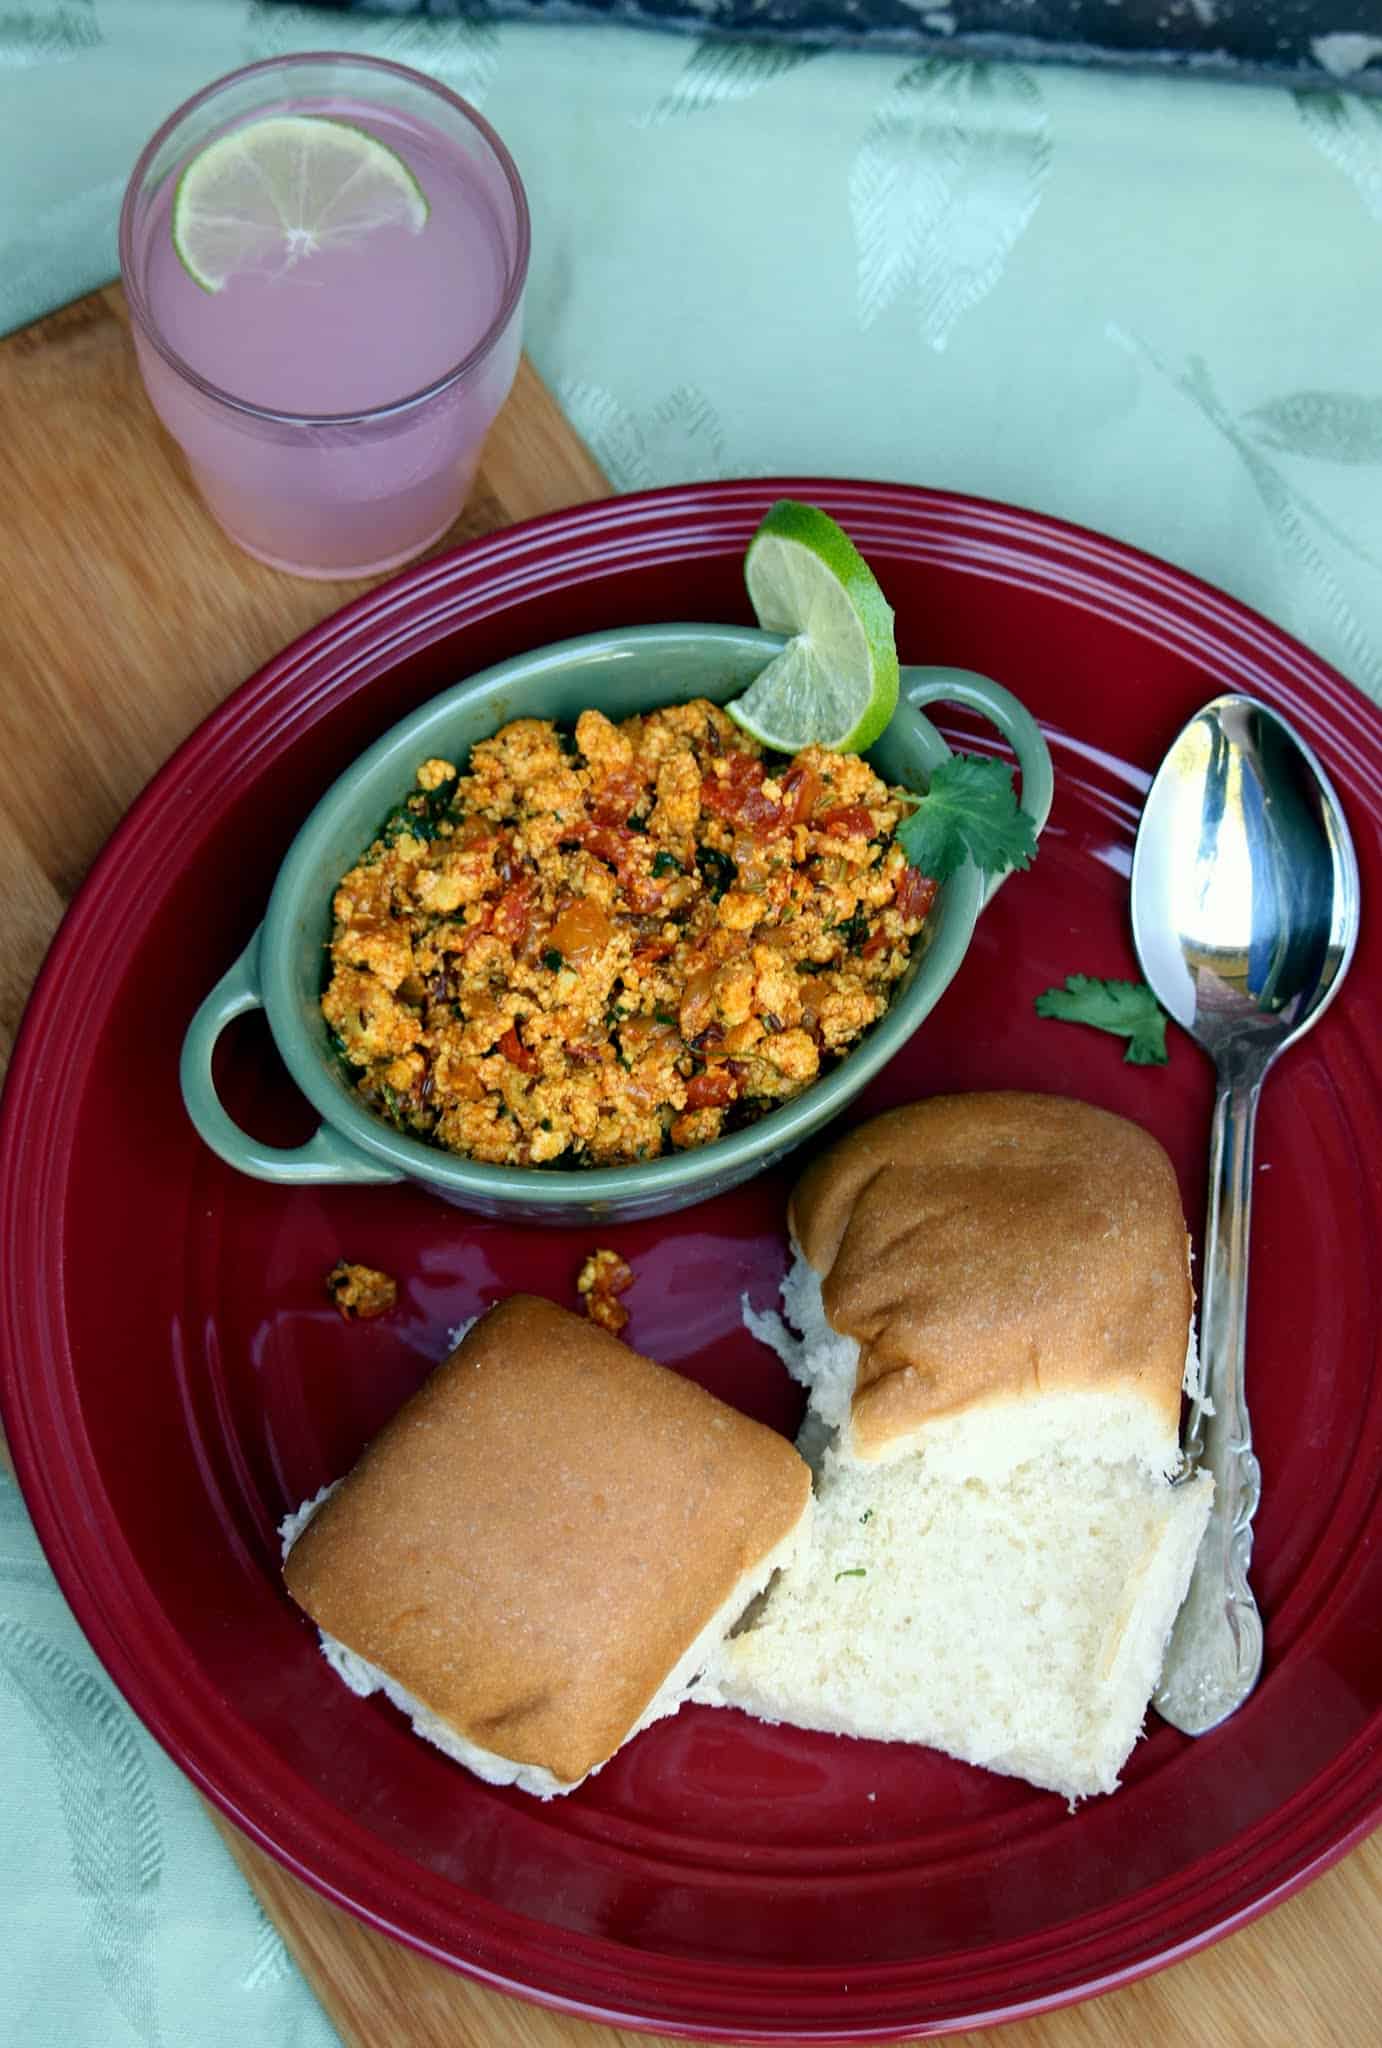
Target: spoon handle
[(1215, 1653)]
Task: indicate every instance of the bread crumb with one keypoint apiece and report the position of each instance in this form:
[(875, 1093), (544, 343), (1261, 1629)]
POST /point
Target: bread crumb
[(361, 1292), (603, 1276)]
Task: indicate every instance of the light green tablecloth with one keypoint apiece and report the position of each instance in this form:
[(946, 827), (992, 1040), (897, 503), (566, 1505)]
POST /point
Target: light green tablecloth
[(1151, 306)]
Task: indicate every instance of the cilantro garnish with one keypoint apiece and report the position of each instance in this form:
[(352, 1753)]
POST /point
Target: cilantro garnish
[(970, 812), (855, 1572), (718, 871), (1126, 1008), (854, 930)]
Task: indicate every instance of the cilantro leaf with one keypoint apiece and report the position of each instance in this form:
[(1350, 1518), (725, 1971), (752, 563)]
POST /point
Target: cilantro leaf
[(970, 812), (1126, 1008)]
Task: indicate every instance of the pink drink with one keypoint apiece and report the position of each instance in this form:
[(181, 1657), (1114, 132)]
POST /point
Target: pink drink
[(332, 405)]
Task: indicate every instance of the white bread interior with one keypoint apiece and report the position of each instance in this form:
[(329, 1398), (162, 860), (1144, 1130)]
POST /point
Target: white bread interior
[(1019, 1625), (365, 1678)]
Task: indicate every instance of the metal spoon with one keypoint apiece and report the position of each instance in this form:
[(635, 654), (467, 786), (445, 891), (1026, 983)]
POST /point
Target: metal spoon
[(1244, 914)]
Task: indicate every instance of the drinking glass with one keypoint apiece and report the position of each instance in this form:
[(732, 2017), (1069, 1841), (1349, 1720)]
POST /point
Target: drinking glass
[(332, 411)]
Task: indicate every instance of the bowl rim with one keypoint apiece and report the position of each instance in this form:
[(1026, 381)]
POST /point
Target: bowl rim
[(761, 1142)]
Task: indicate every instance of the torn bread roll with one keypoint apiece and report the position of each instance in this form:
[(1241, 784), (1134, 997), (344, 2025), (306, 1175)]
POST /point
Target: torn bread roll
[(537, 1555), (993, 1300), (986, 1276)]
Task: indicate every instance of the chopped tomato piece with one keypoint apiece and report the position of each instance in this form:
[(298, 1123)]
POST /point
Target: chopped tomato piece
[(476, 928), (505, 866), (627, 853), (847, 821), (607, 842), (512, 913), (916, 893), (739, 799), (643, 893), (516, 1052), (712, 1089), (800, 788), (619, 796)]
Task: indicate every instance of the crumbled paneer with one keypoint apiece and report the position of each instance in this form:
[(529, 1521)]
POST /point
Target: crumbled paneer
[(598, 947), (360, 1292), (602, 1278)]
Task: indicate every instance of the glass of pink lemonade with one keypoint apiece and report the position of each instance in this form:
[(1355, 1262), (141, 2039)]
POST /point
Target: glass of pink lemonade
[(324, 258)]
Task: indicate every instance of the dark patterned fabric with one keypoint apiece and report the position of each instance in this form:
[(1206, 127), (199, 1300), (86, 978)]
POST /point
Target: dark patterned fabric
[(1328, 43)]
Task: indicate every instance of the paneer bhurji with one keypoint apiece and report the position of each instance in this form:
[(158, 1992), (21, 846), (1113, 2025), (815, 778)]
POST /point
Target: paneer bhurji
[(598, 947)]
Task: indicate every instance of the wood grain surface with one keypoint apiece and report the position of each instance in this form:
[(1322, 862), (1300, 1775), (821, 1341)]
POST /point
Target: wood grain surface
[(127, 619)]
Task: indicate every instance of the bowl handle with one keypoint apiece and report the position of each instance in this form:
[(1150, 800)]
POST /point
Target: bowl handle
[(922, 686), (326, 1156)]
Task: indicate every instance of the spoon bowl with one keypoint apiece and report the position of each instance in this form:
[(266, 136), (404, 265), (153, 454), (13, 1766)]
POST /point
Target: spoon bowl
[(1244, 881), (1245, 915)]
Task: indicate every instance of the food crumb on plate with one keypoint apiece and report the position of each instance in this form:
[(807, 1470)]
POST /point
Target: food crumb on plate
[(361, 1292), (602, 1278)]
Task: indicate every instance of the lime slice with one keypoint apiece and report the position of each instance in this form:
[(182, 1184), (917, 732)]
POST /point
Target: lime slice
[(835, 682), (277, 190)]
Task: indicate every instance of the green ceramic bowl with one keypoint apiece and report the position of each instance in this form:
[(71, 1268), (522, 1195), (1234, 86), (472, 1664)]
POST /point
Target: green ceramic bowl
[(618, 673)]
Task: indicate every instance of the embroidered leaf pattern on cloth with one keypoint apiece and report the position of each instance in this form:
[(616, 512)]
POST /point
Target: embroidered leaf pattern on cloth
[(717, 72), (109, 1810), (1348, 130), (271, 1962), (47, 34), (943, 186), (679, 437), (463, 54), (1330, 426), (1320, 609)]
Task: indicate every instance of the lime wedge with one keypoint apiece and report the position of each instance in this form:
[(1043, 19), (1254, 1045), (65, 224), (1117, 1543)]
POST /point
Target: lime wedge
[(277, 190), (835, 682)]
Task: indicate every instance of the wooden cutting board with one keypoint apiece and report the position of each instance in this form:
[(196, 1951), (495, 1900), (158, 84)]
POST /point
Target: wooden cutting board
[(127, 619)]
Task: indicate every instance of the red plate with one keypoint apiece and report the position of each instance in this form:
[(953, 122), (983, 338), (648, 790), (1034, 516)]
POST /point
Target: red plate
[(173, 1377)]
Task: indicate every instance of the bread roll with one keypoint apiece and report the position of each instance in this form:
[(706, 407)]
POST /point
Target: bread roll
[(992, 1314), (538, 1552), (984, 1275)]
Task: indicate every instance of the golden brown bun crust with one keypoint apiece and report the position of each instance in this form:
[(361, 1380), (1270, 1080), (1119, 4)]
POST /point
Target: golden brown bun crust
[(541, 1531), (981, 1247)]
